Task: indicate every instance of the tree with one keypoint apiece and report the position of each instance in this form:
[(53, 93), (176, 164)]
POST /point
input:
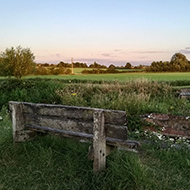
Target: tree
[(111, 67), (179, 62), (17, 62), (128, 65)]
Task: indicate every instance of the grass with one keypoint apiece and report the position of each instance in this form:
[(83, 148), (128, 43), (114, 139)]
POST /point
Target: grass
[(136, 97), (174, 76), (51, 162)]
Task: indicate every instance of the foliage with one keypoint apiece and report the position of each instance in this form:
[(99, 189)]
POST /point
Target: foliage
[(17, 62), (97, 66), (178, 63), (128, 65), (37, 90), (52, 70)]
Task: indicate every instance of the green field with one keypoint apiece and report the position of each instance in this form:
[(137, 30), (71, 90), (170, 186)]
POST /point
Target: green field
[(123, 76)]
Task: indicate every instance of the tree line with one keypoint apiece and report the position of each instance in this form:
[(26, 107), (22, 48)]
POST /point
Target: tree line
[(20, 62), (178, 63)]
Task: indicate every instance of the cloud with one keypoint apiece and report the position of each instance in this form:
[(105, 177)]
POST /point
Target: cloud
[(57, 54), (117, 49), (186, 50), (142, 57), (149, 51), (107, 55)]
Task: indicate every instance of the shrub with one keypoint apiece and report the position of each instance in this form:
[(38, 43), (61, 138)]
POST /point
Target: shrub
[(38, 90)]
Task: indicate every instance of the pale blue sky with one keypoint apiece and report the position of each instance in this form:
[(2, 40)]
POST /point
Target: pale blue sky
[(105, 31)]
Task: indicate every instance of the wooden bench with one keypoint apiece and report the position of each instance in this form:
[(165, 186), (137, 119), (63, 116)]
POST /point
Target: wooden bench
[(184, 93), (106, 128)]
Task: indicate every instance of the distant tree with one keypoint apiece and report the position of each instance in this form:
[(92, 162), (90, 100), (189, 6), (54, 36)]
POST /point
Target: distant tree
[(41, 71), (111, 67), (98, 66), (80, 65), (159, 66), (179, 62), (46, 64), (128, 65), (62, 64), (17, 62)]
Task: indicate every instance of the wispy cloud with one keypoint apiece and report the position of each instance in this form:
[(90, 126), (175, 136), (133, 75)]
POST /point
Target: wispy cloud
[(117, 49), (149, 51), (55, 55), (108, 55), (186, 50)]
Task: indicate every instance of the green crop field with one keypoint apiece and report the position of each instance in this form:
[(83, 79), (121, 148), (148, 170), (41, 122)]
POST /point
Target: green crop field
[(123, 76)]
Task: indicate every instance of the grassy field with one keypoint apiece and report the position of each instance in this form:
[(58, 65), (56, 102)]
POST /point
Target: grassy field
[(174, 76), (123, 76), (53, 163)]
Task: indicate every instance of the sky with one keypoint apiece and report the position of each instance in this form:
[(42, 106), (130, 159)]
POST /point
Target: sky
[(105, 31)]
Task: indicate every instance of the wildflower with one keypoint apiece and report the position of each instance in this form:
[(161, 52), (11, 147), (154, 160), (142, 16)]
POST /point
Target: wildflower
[(74, 94)]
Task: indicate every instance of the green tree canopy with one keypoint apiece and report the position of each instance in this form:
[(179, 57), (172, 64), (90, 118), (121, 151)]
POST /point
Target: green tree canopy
[(128, 65), (179, 62), (17, 62)]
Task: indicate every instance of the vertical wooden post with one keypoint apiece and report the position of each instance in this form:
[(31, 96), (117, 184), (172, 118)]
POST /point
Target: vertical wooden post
[(99, 142), (20, 134), (72, 66)]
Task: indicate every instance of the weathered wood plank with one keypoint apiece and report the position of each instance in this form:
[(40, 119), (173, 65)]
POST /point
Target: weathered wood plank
[(83, 136), (99, 142), (113, 131), (74, 112), (20, 134)]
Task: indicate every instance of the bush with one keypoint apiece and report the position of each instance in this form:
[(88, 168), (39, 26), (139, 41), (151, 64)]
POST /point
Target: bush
[(37, 90)]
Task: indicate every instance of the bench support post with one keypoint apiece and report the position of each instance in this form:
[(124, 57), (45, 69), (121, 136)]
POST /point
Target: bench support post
[(99, 142), (20, 134)]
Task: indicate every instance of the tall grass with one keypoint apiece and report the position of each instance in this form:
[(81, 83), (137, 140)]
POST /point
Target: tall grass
[(135, 97), (55, 163)]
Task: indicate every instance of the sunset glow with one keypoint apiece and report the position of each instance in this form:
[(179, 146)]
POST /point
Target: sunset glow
[(108, 32)]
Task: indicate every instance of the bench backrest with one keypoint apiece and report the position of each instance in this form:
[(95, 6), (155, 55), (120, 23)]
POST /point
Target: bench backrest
[(102, 126)]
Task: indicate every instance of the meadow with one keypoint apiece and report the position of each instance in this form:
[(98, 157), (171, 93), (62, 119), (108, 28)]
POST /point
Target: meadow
[(52, 162), (122, 76)]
